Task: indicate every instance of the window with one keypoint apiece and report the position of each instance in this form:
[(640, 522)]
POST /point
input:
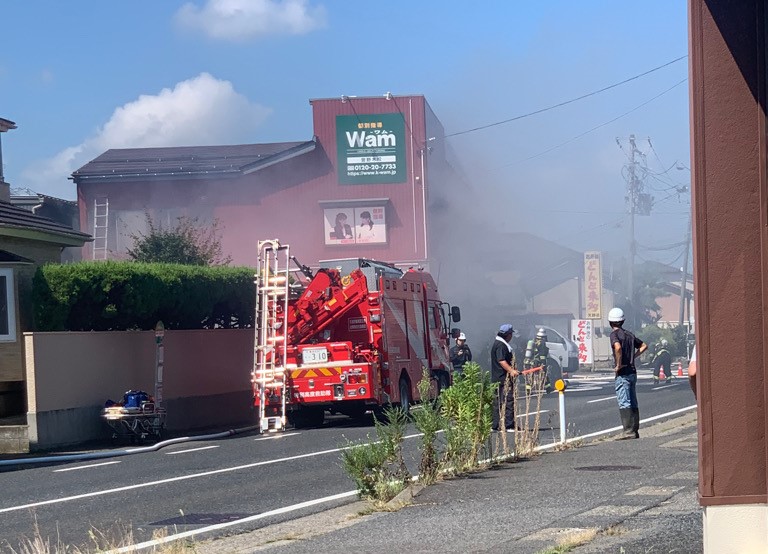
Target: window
[(7, 306), (355, 225)]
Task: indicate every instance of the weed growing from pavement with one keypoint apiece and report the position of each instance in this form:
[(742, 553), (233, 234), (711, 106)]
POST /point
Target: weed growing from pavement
[(377, 466), (571, 541), (120, 536), (467, 410), (528, 416), (428, 421)]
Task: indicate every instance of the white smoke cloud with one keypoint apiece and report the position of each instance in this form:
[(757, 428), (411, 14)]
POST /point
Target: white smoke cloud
[(199, 111), (240, 20)]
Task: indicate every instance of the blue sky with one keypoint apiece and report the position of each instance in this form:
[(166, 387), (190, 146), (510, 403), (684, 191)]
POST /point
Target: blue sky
[(80, 77)]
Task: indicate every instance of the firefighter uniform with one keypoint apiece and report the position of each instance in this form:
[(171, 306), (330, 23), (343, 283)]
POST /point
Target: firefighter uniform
[(536, 354), (663, 358)]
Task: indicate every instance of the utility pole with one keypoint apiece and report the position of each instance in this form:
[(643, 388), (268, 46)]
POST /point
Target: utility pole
[(632, 205), (684, 282)]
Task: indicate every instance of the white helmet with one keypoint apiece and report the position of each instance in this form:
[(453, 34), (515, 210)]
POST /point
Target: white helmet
[(461, 336), (542, 334), (664, 342), (616, 315)]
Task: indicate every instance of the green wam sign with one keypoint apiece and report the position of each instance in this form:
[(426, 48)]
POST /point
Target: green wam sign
[(371, 148)]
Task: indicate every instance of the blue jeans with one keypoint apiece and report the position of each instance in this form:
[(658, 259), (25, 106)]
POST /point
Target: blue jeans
[(625, 391)]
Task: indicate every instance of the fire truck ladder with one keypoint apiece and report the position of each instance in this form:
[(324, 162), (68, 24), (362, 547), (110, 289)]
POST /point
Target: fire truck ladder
[(272, 292), (100, 227)]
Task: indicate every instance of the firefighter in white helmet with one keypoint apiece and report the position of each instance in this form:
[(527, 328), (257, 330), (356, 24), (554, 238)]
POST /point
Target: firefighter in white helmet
[(536, 354), (460, 355), (626, 348), (662, 359)]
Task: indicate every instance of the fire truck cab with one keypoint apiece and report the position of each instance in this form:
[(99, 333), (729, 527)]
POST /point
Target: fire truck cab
[(351, 337)]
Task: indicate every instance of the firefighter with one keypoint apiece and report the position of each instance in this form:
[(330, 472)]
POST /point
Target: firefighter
[(536, 354), (460, 355), (663, 358)]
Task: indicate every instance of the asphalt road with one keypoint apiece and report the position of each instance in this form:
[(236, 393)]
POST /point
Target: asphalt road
[(196, 485)]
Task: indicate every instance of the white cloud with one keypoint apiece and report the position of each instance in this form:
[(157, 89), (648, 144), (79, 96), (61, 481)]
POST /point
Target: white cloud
[(198, 111), (239, 20)]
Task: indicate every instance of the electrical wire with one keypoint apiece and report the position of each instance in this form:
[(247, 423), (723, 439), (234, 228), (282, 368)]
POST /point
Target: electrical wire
[(565, 103), (590, 130)]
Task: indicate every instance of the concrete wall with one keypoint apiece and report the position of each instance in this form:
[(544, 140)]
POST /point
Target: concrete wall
[(71, 375)]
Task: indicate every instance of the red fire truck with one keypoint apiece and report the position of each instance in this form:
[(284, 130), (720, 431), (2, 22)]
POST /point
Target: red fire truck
[(354, 335)]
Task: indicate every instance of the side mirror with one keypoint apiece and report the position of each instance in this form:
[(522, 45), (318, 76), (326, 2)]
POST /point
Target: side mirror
[(455, 314), (455, 332)]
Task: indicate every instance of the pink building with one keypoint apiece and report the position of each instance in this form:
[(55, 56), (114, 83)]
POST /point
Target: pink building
[(362, 186)]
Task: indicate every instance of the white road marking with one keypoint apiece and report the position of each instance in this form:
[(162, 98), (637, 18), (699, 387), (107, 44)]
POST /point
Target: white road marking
[(533, 413), (601, 399), (272, 437), (664, 387), (191, 450), (582, 389), (278, 511), (176, 479), (84, 467)]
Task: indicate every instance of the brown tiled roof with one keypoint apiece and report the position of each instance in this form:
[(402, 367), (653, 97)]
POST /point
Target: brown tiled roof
[(182, 161), (14, 217)]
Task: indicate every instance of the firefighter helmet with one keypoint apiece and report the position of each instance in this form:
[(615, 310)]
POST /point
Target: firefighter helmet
[(664, 343), (541, 334), (461, 336), (616, 315)]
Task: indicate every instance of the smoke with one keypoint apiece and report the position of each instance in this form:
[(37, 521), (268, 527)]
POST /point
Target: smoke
[(199, 111), (241, 20)]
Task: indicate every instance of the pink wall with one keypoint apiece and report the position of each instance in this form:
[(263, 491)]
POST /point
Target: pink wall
[(74, 370)]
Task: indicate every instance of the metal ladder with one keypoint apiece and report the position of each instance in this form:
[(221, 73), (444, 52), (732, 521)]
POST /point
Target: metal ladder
[(272, 292), (100, 227)]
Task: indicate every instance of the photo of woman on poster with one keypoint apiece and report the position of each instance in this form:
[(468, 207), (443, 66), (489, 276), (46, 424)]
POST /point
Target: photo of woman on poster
[(365, 230), (341, 229)]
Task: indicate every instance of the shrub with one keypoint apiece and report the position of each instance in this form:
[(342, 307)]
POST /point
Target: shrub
[(466, 407), (107, 296)]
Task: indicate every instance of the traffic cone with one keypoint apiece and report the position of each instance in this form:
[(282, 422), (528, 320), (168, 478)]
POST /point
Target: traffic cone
[(662, 377), (679, 369)]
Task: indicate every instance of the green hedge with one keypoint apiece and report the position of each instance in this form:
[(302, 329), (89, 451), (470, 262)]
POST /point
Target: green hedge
[(108, 296)]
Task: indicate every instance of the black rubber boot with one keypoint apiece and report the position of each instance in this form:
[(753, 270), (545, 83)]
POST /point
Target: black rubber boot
[(636, 422), (626, 422)]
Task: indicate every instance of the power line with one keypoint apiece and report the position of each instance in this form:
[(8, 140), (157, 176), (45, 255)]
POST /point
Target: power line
[(592, 129), (565, 103)]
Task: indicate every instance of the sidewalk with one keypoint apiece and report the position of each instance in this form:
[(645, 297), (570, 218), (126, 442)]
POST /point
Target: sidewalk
[(639, 495)]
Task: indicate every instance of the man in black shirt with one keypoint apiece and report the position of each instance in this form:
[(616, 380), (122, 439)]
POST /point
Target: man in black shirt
[(503, 372), (626, 348)]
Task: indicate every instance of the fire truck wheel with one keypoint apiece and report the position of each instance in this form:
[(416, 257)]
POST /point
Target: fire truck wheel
[(308, 417), (405, 395), (442, 382)]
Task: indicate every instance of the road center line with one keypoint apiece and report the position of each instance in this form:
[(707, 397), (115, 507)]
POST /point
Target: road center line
[(191, 450), (84, 467), (601, 399)]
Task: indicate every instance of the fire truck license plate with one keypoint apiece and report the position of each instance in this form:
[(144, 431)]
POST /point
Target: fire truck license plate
[(314, 355)]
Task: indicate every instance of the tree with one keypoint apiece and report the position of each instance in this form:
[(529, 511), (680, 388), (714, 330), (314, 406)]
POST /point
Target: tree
[(187, 242), (648, 287)]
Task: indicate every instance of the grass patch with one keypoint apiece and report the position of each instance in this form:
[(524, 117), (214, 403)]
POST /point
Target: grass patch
[(571, 541)]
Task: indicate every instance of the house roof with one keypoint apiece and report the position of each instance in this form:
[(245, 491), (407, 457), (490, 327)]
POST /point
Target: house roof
[(11, 258), (186, 161), (6, 125), (18, 222), (542, 264)]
